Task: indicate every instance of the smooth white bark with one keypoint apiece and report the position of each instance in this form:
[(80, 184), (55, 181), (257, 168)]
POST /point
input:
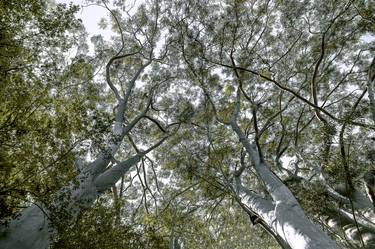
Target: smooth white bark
[(288, 221), (30, 230), (34, 227), (66, 205), (282, 214)]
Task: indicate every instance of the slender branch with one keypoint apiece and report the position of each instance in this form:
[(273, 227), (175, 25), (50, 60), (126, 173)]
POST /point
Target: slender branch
[(371, 88), (279, 85), (313, 81), (113, 174), (131, 83), (108, 72), (158, 124)]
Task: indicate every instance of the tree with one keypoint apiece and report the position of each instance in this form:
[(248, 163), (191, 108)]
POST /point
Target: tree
[(257, 63), (43, 219), (27, 85), (263, 106)]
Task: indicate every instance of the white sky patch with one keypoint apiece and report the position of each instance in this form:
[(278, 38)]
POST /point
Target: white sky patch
[(287, 160), (368, 38), (91, 15)]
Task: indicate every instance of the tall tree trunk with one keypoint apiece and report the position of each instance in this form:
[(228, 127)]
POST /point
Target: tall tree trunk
[(287, 220), (282, 213), (36, 225)]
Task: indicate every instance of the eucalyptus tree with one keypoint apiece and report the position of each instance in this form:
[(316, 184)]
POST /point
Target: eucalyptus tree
[(131, 53), (290, 80), (268, 107), (33, 40)]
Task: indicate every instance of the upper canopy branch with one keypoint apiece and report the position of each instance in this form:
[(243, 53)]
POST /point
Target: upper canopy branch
[(279, 85), (370, 87), (108, 73)]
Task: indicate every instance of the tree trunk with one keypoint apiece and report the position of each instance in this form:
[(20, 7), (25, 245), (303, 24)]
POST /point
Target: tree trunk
[(282, 213), (288, 221), (37, 224)]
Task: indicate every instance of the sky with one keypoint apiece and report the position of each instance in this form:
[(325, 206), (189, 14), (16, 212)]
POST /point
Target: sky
[(91, 16)]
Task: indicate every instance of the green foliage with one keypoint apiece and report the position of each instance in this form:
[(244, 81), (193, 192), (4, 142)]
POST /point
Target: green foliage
[(213, 226), (100, 227), (42, 117), (53, 105)]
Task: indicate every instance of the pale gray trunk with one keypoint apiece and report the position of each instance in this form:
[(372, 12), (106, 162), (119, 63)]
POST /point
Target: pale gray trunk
[(353, 220), (35, 225), (30, 230), (288, 221), (354, 232), (282, 213)]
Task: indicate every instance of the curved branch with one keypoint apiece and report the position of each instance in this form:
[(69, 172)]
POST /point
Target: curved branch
[(108, 72), (282, 87)]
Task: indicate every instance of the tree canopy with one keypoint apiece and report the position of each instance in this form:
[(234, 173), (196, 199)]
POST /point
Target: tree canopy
[(199, 124)]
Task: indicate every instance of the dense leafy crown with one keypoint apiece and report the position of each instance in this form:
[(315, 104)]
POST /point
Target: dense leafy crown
[(292, 74)]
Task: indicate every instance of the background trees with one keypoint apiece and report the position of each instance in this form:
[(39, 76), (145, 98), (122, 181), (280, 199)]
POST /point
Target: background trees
[(41, 122), (248, 107)]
